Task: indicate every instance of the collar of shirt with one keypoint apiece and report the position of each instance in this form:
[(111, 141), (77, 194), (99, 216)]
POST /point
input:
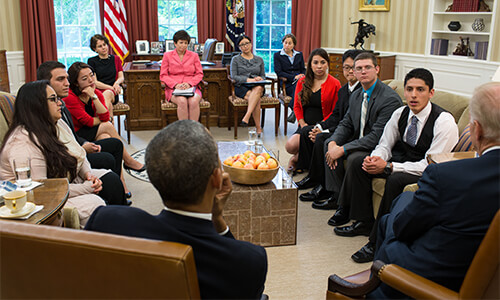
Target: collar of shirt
[(204, 216), (352, 87), (370, 90), (422, 115), (491, 149), (290, 58)]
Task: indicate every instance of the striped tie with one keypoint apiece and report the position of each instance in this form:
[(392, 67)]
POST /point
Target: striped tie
[(411, 133), (364, 108)]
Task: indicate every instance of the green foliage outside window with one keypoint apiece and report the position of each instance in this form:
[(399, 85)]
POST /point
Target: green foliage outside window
[(174, 15)]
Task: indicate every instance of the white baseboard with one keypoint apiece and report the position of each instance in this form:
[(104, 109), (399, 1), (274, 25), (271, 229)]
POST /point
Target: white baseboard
[(451, 74), (15, 66)]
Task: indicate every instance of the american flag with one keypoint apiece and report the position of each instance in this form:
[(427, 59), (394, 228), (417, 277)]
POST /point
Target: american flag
[(115, 27)]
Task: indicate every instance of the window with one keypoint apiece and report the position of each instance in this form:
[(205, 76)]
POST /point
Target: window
[(76, 22), (174, 15), (273, 19)]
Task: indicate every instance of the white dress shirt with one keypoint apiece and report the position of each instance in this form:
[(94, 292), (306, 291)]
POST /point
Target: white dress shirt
[(444, 139), (203, 216)]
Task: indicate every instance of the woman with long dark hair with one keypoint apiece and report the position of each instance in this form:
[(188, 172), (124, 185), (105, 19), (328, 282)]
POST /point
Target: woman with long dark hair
[(315, 97), (37, 132)]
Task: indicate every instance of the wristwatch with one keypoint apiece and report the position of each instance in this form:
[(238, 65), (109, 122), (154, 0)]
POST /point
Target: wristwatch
[(94, 97), (388, 168)]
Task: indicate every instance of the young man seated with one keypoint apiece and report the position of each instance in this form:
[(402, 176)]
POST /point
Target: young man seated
[(414, 131)]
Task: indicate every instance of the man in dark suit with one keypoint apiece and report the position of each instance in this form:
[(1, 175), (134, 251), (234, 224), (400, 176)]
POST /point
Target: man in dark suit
[(183, 165), (312, 139), (359, 131), (436, 231)]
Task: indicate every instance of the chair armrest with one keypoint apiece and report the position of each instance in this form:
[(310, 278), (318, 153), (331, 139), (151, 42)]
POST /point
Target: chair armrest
[(358, 285), (412, 284), (283, 80), (275, 81)]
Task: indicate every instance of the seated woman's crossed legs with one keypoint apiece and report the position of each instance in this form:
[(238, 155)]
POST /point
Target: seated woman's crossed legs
[(253, 97)]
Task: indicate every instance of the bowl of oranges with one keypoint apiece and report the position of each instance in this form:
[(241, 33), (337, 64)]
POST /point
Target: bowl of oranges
[(251, 168)]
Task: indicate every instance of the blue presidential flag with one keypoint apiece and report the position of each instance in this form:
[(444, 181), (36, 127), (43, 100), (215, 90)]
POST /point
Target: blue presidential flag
[(235, 21)]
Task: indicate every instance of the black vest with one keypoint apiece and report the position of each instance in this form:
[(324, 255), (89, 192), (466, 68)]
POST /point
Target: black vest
[(402, 152)]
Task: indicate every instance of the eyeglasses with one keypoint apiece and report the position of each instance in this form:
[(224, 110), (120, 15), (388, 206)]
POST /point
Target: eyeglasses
[(360, 69), (54, 99), (244, 44), (348, 68)]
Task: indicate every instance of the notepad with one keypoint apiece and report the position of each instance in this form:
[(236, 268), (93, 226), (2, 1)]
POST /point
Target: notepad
[(186, 93)]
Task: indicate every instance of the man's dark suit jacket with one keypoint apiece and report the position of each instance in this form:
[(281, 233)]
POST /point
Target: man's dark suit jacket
[(340, 109), (383, 102), (227, 268), (436, 231)]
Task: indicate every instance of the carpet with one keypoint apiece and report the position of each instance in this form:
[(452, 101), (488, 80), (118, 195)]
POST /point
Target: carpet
[(139, 156)]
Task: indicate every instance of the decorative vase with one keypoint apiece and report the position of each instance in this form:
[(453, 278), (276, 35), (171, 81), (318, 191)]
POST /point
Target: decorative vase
[(478, 24), (454, 25)]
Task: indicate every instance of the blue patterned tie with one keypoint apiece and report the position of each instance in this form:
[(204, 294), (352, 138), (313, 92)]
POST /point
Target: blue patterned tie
[(411, 133)]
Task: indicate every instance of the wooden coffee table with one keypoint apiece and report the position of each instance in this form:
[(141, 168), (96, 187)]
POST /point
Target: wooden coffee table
[(263, 214), (52, 195)]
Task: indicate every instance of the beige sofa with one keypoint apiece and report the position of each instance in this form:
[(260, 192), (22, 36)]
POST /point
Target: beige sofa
[(457, 105)]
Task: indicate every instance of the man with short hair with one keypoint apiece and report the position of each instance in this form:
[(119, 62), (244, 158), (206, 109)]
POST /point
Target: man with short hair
[(436, 231), (414, 131), (359, 131), (312, 138), (102, 154), (194, 190)]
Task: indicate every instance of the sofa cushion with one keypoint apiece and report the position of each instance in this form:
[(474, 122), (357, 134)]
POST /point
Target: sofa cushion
[(455, 104), (465, 141)]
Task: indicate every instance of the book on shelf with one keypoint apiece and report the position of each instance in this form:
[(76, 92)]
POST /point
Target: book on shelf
[(465, 5), (186, 93), (481, 50), (439, 46)]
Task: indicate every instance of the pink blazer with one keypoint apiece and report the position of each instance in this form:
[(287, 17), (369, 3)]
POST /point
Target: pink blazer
[(173, 71)]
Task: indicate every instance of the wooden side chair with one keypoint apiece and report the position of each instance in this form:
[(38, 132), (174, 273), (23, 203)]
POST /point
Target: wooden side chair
[(237, 104), (170, 109), (284, 100), (123, 109), (481, 280)]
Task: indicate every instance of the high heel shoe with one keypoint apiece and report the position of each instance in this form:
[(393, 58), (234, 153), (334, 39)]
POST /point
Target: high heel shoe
[(137, 170), (243, 124), (128, 195)]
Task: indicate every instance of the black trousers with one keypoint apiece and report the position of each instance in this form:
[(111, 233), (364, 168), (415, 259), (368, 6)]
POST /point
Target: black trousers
[(110, 157), (305, 148), (112, 191), (317, 162), (334, 179)]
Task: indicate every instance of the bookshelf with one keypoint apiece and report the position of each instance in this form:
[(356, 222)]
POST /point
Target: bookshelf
[(438, 24)]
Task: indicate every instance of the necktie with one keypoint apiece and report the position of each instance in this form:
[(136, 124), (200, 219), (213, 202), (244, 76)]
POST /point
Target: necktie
[(411, 133), (364, 108)]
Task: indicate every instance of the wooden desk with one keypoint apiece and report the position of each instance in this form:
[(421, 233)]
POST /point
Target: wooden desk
[(143, 94), (444, 157), (263, 214), (52, 195)]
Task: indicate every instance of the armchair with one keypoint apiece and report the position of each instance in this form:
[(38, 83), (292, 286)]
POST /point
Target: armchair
[(284, 100), (237, 104), (120, 109), (208, 50), (481, 280)]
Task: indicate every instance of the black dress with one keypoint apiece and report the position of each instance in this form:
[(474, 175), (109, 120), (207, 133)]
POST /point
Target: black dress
[(313, 112), (105, 70)]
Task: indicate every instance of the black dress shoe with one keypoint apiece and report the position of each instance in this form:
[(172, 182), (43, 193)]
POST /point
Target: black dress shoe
[(328, 204), (365, 254), (316, 194), (340, 217), (137, 170), (355, 229), (305, 183)]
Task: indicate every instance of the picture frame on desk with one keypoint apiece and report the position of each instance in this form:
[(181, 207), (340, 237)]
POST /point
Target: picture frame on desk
[(192, 41), (142, 46), (157, 47), (219, 48), (374, 5), (169, 45)]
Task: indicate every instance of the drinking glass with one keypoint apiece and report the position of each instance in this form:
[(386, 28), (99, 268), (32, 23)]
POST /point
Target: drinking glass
[(252, 136), (22, 167), (259, 146), (286, 178)]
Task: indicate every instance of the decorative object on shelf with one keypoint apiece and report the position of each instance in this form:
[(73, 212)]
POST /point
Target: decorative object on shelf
[(142, 47), (465, 5), (483, 7), (374, 5), (364, 30), (439, 47), (454, 25), (463, 48), (481, 50), (478, 24), (157, 47)]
